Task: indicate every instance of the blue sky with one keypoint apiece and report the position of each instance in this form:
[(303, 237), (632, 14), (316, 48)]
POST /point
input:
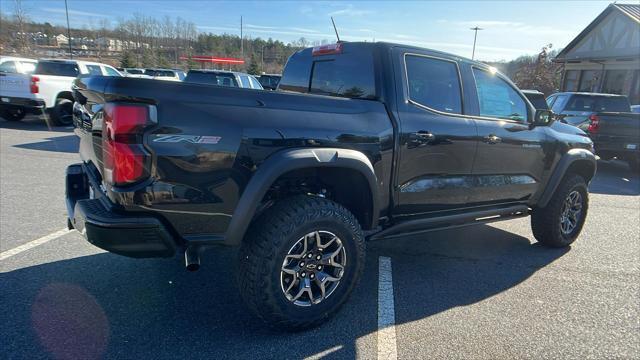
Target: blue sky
[(512, 28)]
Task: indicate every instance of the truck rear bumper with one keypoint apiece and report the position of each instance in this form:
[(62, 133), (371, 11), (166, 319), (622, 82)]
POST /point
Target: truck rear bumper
[(103, 226), (34, 106)]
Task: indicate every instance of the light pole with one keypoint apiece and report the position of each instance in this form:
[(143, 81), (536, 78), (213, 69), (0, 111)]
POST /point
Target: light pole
[(66, 9), (475, 37)]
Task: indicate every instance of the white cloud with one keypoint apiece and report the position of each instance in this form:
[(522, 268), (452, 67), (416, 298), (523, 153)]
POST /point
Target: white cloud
[(351, 11), (73, 12)]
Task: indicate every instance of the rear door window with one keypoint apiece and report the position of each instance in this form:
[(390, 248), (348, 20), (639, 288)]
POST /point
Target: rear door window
[(434, 83)]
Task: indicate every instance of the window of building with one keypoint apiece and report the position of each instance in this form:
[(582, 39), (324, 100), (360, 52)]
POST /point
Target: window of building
[(571, 80), (617, 81), (589, 80)]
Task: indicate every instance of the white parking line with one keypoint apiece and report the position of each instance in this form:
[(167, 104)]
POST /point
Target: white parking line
[(386, 312), (31, 244)]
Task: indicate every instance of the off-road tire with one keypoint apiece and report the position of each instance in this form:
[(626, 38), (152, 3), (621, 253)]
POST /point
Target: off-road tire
[(13, 114), (60, 114), (268, 241), (545, 222)]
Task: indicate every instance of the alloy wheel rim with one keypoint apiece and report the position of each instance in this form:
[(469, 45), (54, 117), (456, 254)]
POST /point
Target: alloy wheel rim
[(313, 267), (571, 212)]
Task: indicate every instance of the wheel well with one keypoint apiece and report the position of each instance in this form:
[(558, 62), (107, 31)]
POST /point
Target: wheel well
[(347, 187), (584, 168), (65, 95)]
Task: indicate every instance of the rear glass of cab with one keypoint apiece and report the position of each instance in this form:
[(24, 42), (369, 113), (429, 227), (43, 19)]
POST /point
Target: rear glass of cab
[(348, 74)]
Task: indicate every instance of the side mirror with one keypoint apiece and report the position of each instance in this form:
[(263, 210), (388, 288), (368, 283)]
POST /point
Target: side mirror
[(542, 117)]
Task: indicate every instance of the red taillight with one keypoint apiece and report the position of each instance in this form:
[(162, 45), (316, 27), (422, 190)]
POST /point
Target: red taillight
[(33, 86), (123, 155), (327, 49), (594, 126)]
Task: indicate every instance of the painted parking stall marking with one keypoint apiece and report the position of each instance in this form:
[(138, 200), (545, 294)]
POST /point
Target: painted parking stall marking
[(386, 311), (31, 244)]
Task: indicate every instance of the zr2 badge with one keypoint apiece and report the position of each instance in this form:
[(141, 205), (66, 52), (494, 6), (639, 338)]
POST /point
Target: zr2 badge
[(192, 139)]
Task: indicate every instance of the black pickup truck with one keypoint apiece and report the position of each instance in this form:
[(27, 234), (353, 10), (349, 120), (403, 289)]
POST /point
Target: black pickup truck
[(361, 141), (607, 118)]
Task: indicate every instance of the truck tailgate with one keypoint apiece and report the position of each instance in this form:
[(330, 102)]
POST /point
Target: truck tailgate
[(618, 131)]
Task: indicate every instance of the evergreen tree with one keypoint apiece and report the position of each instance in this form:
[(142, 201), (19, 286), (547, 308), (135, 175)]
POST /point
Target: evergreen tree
[(253, 69), (127, 60)]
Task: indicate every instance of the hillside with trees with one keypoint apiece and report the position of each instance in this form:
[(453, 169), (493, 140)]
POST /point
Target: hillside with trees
[(168, 42)]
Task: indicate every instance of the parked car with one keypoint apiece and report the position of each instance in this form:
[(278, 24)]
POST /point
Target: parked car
[(16, 98), (363, 141), (162, 74), (635, 109), (223, 78), (269, 81), (609, 121), (52, 80), (134, 72)]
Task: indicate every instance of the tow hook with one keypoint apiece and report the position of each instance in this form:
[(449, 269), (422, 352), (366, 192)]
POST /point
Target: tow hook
[(192, 258)]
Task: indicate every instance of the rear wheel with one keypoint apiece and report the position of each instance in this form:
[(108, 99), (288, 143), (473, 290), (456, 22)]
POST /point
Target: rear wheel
[(559, 223), (14, 113), (62, 113), (300, 262)]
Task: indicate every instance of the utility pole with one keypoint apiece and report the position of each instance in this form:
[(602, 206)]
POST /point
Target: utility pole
[(475, 37), (241, 40), (66, 8), (262, 59)]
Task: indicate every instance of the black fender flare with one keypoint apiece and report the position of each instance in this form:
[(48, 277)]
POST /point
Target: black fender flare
[(293, 159), (572, 156)]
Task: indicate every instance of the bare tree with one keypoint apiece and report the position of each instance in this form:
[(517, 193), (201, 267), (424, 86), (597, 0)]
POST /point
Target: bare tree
[(21, 18)]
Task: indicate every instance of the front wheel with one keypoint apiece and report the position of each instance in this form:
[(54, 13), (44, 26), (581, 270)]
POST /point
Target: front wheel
[(300, 262), (559, 223)]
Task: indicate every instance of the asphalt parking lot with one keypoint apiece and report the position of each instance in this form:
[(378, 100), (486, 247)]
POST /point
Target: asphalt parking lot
[(483, 292)]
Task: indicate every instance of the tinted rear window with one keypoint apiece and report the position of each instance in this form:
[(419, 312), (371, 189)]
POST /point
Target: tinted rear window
[(134, 71), (57, 68), (349, 74), (598, 103), (211, 78)]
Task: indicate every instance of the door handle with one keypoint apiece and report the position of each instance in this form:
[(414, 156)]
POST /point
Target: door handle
[(424, 135), (492, 139)]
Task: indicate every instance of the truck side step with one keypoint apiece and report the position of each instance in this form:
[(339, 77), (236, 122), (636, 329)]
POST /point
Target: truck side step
[(451, 221)]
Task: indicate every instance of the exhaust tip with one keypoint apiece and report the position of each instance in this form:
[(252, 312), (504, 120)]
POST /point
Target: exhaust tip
[(193, 267), (192, 258)]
